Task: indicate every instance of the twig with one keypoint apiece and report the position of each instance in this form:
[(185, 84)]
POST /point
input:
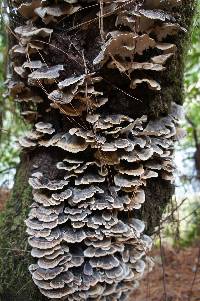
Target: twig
[(15, 250), (194, 130), (93, 20), (169, 217), (7, 169), (24, 286), (101, 24), (195, 275), (163, 265), (148, 285)]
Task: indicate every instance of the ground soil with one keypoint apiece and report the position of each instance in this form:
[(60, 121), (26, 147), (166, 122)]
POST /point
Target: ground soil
[(182, 277)]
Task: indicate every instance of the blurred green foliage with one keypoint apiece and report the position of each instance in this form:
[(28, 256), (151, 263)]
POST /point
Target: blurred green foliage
[(10, 124), (193, 230), (189, 229), (192, 82)]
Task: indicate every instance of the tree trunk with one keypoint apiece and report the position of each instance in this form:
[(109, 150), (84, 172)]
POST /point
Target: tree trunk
[(76, 49)]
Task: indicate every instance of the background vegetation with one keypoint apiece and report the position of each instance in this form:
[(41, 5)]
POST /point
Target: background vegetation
[(11, 126)]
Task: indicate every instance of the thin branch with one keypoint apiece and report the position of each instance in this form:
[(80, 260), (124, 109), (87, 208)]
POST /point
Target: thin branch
[(194, 130), (162, 254), (195, 275)]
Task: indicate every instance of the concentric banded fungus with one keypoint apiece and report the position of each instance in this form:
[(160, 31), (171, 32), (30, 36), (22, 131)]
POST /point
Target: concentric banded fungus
[(85, 245)]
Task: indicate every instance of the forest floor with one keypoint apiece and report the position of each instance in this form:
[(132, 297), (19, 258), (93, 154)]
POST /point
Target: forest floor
[(182, 276), (175, 278)]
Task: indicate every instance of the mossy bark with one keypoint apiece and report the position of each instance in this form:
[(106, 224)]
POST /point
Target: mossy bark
[(15, 281)]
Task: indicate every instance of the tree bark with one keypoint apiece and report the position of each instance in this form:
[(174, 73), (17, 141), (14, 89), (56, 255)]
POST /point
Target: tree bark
[(15, 280)]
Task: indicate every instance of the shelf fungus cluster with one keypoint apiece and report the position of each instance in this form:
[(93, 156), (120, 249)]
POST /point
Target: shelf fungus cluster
[(86, 240)]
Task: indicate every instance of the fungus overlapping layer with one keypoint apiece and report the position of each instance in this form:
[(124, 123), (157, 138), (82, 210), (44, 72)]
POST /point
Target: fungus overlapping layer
[(85, 240)]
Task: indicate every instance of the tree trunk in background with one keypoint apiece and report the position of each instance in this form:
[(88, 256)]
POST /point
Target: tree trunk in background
[(15, 280)]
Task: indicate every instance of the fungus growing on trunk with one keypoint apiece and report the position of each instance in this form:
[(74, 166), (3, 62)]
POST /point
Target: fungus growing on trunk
[(82, 225)]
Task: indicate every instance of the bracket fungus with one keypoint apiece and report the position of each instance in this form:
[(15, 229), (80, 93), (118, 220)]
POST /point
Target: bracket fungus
[(83, 242)]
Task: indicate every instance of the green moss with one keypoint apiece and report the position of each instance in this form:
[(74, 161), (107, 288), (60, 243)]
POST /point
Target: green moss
[(15, 281)]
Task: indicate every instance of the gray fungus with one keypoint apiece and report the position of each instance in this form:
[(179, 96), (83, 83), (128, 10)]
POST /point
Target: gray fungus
[(85, 240)]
